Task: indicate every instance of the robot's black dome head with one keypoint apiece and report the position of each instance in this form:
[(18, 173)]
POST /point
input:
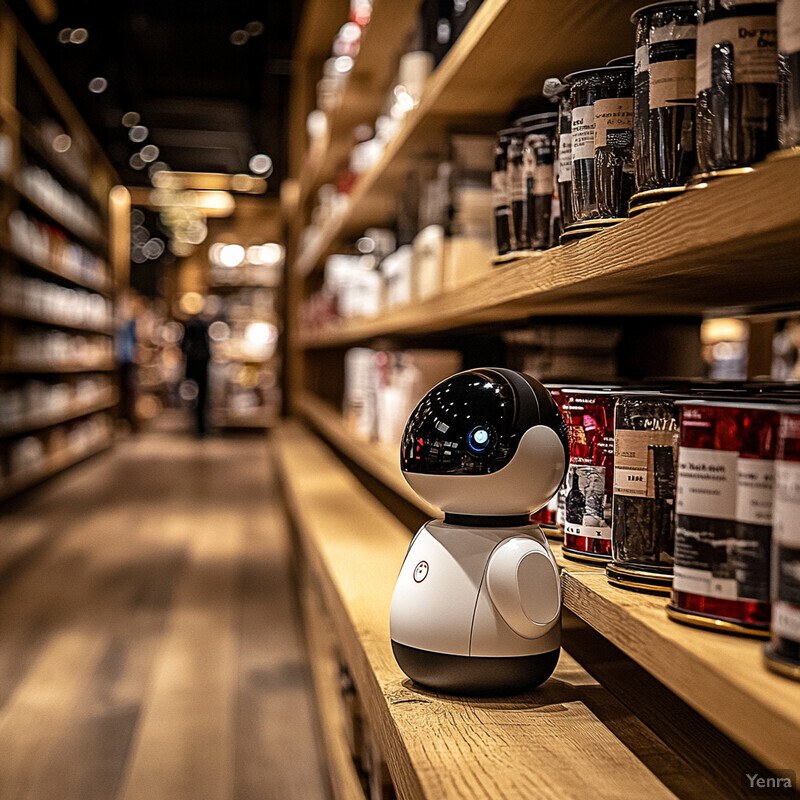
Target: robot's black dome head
[(472, 425)]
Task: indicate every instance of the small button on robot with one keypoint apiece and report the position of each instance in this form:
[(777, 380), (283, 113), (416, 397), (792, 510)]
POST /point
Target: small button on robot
[(421, 571)]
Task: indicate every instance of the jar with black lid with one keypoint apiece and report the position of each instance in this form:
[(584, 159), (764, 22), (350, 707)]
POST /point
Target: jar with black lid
[(537, 165), (646, 436), (502, 212), (554, 88), (602, 148), (782, 653), (515, 182), (736, 85), (664, 101), (789, 74)]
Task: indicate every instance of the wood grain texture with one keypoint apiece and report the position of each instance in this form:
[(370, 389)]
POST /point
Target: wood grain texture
[(546, 744), (150, 645), (730, 246), (721, 676)]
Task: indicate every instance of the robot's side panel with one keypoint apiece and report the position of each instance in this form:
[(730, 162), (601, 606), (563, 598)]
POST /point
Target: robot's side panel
[(434, 599)]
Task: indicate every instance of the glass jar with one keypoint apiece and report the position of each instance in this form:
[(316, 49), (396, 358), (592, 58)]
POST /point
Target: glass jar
[(664, 101), (589, 415), (783, 651), (502, 212), (736, 85), (723, 527), (537, 165), (789, 74), (515, 181), (646, 435), (602, 146)]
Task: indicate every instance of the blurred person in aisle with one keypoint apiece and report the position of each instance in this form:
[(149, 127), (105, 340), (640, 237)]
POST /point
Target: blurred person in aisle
[(125, 341), (196, 346)]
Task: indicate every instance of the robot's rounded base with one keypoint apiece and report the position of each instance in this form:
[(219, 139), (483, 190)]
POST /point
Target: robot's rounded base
[(475, 675)]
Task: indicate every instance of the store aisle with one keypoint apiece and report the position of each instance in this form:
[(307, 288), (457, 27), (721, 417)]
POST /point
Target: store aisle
[(149, 646)]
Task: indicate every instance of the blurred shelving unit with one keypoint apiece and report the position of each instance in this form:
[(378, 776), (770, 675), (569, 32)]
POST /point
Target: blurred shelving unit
[(731, 246), (62, 253)]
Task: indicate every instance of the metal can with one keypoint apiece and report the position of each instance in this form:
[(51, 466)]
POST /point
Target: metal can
[(589, 415), (664, 101), (537, 172), (783, 650), (726, 468), (646, 435), (736, 85)]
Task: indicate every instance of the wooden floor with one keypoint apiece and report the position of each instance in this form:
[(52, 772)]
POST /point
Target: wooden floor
[(149, 644)]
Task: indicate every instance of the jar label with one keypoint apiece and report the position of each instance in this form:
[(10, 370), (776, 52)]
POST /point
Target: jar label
[(755, 482), (755, 49), (613, 118), (586, 508), (672, 66), (499, 189), (582, 133), (565, 158), (634, 460), (786, 593), (543, 179), (642, 59), (789, 26), (786, 512), (516, 182), (707, 483)]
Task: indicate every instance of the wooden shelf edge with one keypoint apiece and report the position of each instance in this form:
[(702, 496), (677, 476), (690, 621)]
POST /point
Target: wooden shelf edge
[(647, 265), (52, 421), (15, 487), (56, 323), (13, 368), (720, 676)]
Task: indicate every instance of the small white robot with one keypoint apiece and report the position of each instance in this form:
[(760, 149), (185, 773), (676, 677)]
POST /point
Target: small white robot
[(477, 605)]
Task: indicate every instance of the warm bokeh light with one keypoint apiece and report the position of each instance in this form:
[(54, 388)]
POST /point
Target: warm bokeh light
[(191, 303), (231, 255)]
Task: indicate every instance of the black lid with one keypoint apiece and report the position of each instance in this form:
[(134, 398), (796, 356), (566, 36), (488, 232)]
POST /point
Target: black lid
[(686, 5), (622, 61), (597, 71)]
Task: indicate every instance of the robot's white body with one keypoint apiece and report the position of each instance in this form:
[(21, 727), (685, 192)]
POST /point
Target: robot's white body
[(476, 608)]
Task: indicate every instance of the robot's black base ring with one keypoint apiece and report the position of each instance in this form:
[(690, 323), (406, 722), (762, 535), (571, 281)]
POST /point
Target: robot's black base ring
[(475, 675)]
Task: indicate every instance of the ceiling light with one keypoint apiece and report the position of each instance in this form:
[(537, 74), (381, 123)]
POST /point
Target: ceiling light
[(231, 255), (149, 153), (62, 143), (79, 36), (138, 133), (98, 85), (130, 118), (239, 37), (261, 164), (254, 28)]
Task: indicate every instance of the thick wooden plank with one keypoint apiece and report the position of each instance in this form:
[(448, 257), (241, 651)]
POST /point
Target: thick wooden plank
[(546, 744), (721, 676), (730, 246)]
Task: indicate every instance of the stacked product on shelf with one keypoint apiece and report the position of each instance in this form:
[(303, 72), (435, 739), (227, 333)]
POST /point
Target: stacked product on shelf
[(57, 392), (382, 387)]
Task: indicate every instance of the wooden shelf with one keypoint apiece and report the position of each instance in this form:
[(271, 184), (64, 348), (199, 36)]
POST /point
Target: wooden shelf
[(74, 326), (729, 247), (368, 84), (49, 421), (499, 58), (721, 676), (100, 288), (15, 368), (55, 465)]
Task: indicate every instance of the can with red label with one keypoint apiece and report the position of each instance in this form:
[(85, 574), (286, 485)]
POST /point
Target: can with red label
[(726, 468), (783, 650), (589, 414)]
